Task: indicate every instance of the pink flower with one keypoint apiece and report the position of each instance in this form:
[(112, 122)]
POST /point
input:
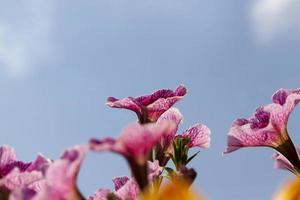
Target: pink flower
[(154, 170), (135, 143), (17, 175), (267, 127), (198, 134), (125, 189), (60, 177), (176, 146), (149, 107)]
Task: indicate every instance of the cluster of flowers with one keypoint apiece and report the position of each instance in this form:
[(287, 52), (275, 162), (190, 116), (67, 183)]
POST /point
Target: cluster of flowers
[(148, 146)]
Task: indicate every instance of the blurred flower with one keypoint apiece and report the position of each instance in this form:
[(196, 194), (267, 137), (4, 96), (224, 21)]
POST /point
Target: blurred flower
[(135, 143), (289, 191), (177, 190), (17, 175), (125, 189), (268, 127), (149, 107), (60, 177), (154, 170)]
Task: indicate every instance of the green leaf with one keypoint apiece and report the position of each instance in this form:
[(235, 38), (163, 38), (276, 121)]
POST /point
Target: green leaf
[(192, 157)]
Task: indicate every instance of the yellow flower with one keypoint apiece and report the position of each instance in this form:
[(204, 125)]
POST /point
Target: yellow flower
[(290, 191), (173, 191)]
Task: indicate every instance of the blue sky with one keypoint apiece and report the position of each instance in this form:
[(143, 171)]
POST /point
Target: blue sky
[(59, 60)]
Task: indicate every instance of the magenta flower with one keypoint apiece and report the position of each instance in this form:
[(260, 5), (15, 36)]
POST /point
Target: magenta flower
[(149, 107), (154, 170), (135, 143), (197, 135), (16, 175), (125, 189), (60, 177), (268, 127)]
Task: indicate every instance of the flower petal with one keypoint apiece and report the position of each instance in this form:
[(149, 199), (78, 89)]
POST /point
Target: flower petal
[(149, 107), (120, 182), (7, 156), (17, 179), (126, 103), (154, 170), (268, 126), (129, 190), (62, 174), (131, 142), (133, 138), (281, 162), (199, 136), (22, 194), (101, 194), (173, 115), (146, 100)]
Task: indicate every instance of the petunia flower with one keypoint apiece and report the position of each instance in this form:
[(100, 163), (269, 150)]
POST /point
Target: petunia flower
[(268, 127), (197, 135), (60, 177), (15, 174), (125, 189), (154, 170), (149, 107), (135, 143)]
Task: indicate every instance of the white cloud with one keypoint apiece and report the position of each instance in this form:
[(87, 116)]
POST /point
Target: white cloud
[(275, 18), (25, 35)]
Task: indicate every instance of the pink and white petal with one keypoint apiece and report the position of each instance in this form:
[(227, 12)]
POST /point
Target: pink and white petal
[(62, 174), (154, 170), (173, 115), (133, 138), (41, 163), (101, 194), (146, 100), (281, 162), (129, 190), (106, 144), (17, 179), (126, 103), (120, 182), (199, 136), (157, 108), (244, 135), (22, 194), (7, 155)]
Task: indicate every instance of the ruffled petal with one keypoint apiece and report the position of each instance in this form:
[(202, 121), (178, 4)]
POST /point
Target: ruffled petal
[(129, 190), (199, 136), (131, 142), (101, 194), (154, 170), (173, 115), (126, 103), (120, 182), (62, 174), (149, 107)]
